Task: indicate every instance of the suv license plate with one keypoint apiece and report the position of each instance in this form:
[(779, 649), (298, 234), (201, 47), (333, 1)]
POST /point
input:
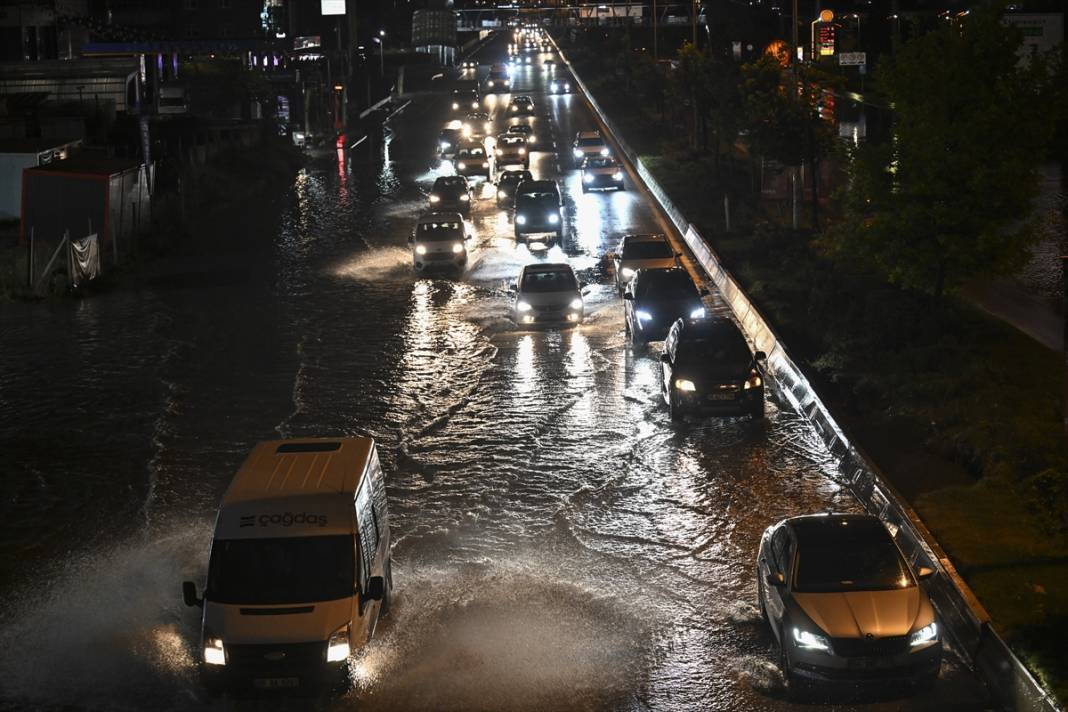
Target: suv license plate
[(275, 683), (720, 396)]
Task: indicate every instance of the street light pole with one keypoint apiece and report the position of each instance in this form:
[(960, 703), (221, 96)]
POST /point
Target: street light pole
[(381, 52), (656, 50)]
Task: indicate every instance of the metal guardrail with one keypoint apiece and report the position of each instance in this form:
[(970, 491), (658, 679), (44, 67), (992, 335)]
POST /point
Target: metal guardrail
[(1010, 683)]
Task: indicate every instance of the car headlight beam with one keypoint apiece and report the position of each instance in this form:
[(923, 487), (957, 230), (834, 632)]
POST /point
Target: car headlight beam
[(587, 178), (523, 306), (520, 219), (684, 384), (643, 315), (925, 635), (337, 649), (810, 641), (457, 247), (553, 218), (698, 313), (214, 652), (576, 303)]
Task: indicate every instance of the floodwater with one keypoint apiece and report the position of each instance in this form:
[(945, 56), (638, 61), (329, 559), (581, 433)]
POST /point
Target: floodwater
[(559, 543)]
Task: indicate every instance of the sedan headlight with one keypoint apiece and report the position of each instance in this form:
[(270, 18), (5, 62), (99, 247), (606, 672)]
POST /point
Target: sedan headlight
[(643, 315), (465, 198), (514, 107), (485, 164), (553, 218), (587, 177), (522, 152), (214, 653), (576, 303), (499, 152), (626, 273), (523, 306), (520, 219), (810, 641), (457, 247), (698, 313), (455, 105), (925, 635), (618, 175), (474, 104), (577, 153), (337, 649), (435, 199), (420, 249), (754, 381), (686, 385), (501, 194), (604, 151), (461, 165)]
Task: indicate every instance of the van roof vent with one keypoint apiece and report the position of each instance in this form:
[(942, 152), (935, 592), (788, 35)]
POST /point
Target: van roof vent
[(307, 447)]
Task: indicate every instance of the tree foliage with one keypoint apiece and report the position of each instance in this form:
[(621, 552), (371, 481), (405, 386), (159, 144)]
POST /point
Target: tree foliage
[(943, 203)]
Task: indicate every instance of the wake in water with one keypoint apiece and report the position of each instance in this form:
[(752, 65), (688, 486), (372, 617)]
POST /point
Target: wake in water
[(376, 265), (112, 633), (512, 636)]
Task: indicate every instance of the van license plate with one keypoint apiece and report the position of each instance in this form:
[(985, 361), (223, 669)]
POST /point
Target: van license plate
[(275, 683)]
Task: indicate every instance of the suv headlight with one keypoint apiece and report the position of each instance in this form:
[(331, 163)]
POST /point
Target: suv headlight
[(810, 641), (461, 165), (434, 199), (604, 151), (553, 218), (587, 178), (214, 652), (501, 194), (698, 313), (576, 153), (626, 273), (457, 247), (465, 198), (754, 381), (420, 249), (337, 649), (643, 315), (576, 303), (925, 635), (618, 175), (523, 306), (684, 384), (520, 219), (455, 105)]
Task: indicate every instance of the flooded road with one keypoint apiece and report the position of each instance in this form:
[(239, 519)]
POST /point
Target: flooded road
[(559, 543)]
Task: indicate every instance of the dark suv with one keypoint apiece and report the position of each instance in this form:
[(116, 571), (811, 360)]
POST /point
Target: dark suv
[(656, 298), (538, 212), (707, 368)]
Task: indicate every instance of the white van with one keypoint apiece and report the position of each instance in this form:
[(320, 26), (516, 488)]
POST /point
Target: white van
[(299, 571)]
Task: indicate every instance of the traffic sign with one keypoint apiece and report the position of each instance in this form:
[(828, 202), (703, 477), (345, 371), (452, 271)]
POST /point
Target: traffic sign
[(852, 59)]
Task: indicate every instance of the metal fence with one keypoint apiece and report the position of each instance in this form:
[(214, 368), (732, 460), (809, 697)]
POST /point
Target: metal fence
[(967, 622)]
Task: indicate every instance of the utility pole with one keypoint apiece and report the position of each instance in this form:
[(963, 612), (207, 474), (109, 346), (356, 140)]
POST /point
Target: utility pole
[(656, 51)]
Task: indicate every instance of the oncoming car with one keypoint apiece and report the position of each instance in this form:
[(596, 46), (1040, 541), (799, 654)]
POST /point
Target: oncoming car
[(507, 182), (538, 215), (511, 150), (499, 81), (548, 293), (450, 193), (448, 142), (641, 252), (476, 123), (559, 86), (465, 100), (588, 143), (706, 368), (439, 240), (655, 298), (472, 161), (524, 130), (844, 603), (601, 173), (521, 106)]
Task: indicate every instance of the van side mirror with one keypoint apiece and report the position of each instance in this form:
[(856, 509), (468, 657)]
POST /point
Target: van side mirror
[(376, 588), (776, 580), (925, 573), (189, 593), (760, 356), (628, 297)]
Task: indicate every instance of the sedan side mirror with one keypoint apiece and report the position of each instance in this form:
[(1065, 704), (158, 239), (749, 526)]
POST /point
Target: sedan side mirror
[(776, 580), (189, 593), (760, 356), (376, 588), (627, 296), (924, 573)]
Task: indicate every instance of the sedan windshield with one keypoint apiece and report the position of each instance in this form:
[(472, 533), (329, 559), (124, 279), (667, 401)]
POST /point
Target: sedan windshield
[(647, 250), (556, 281), (281, 571), (438, 231), (672, 287), (856, 557), (595, 141)]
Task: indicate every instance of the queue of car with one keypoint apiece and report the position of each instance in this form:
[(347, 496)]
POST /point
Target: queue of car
[(308, 559)]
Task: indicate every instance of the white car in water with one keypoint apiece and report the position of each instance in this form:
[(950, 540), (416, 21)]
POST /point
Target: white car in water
[(548, 293), (439, 240)]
